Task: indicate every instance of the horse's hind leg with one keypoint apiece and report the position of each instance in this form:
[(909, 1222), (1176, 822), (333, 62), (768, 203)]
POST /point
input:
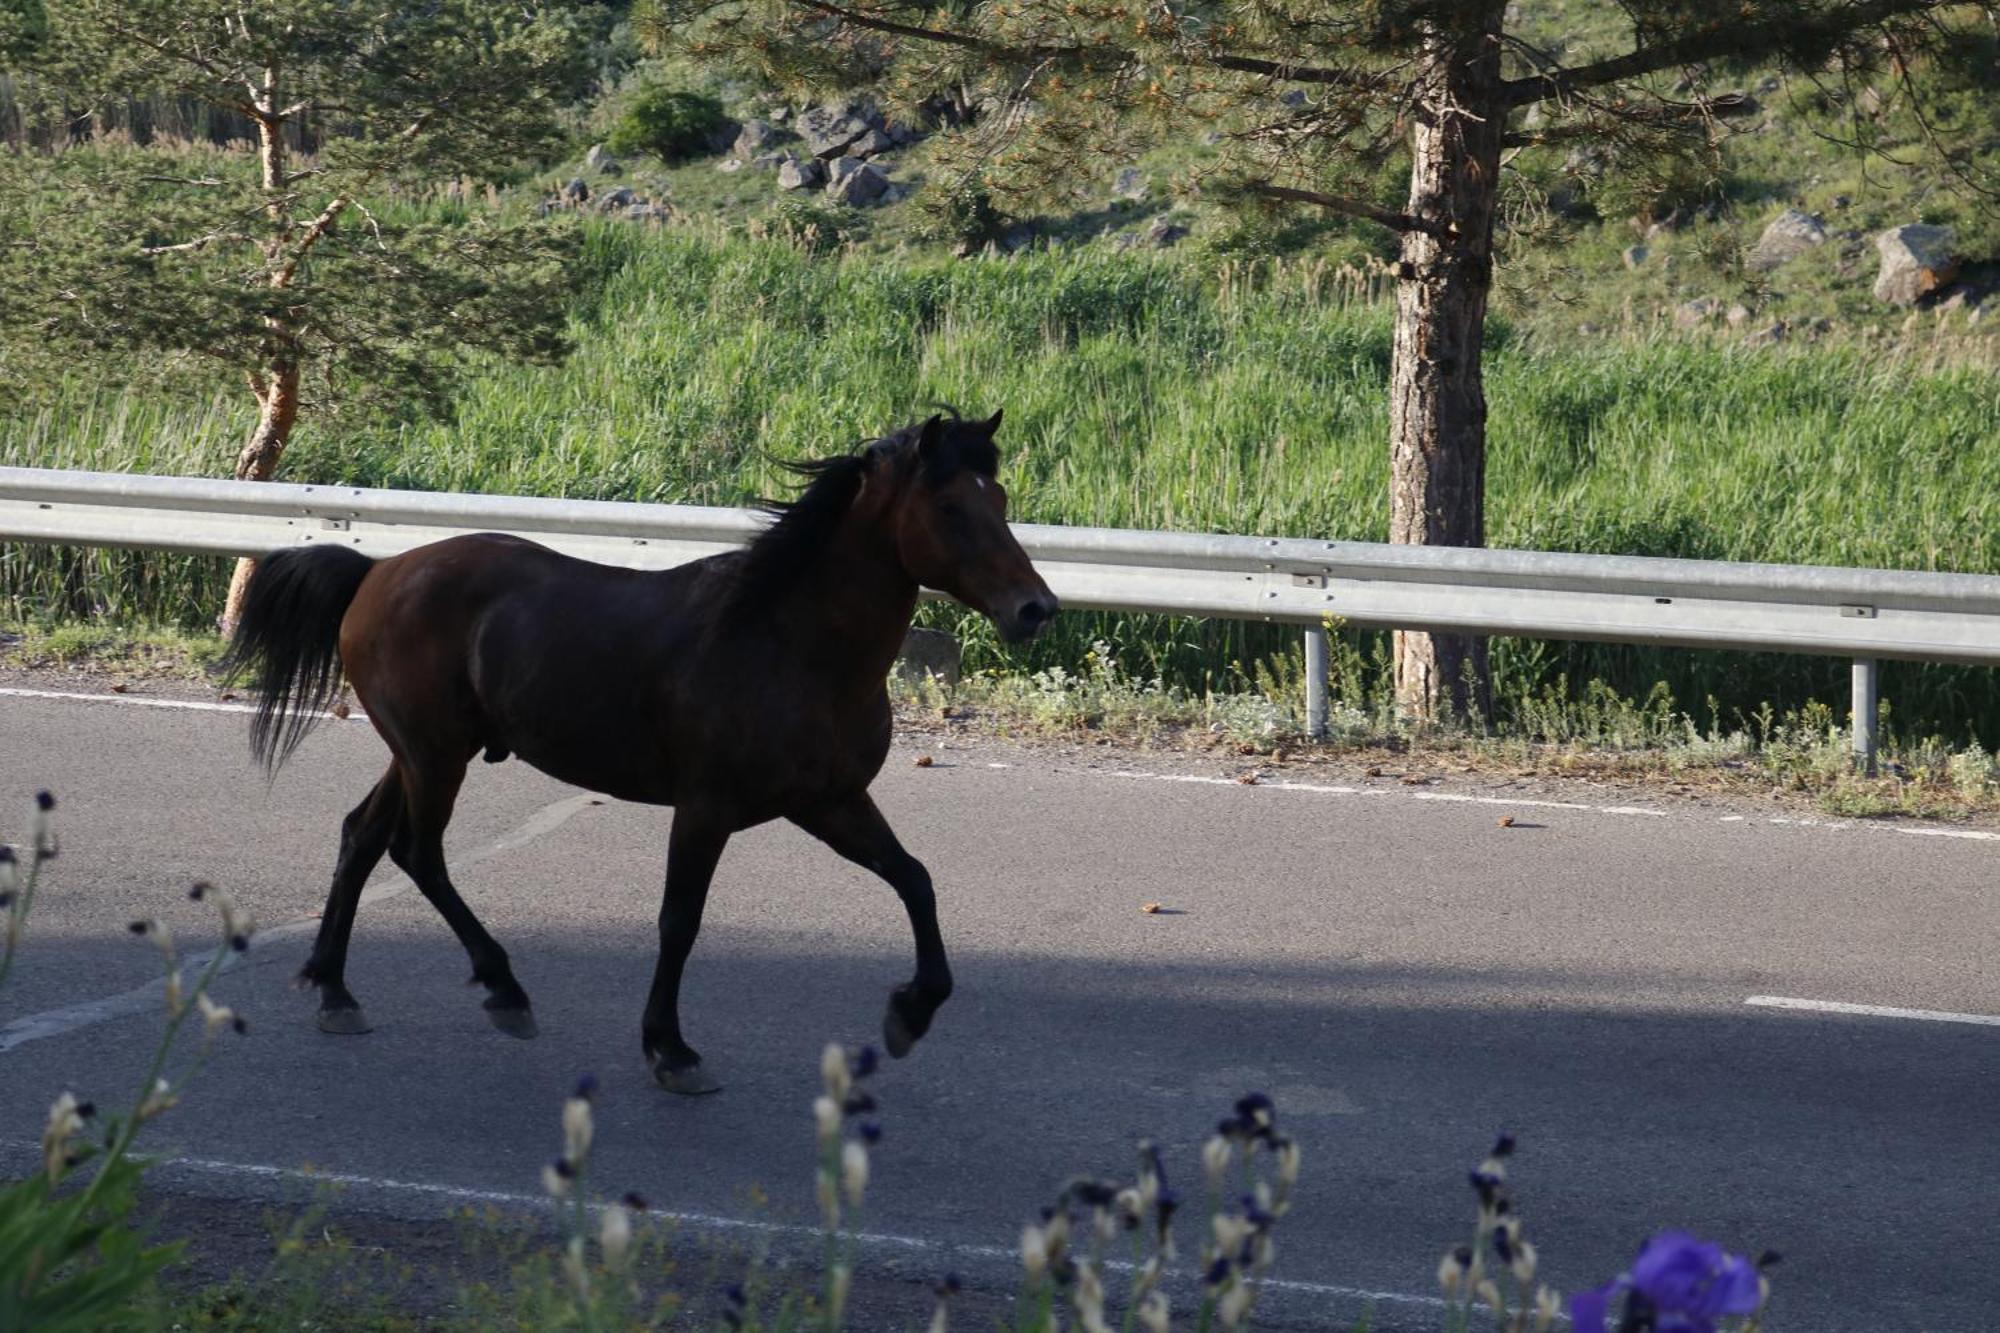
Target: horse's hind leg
[(856, 830), (418, 848), (364, 836)]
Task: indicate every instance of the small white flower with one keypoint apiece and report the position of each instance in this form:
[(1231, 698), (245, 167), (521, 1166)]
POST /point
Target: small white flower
[(1034, 1251), (1230, 1233), (1215, 1161), (1090, 1300), (10, 873), (614, 1233), (1155, 1314), (1524, 1262), (1263, 1253), (1131, 1205), (1235, 1303), (1547, 1306), (158, 1102), (833, 1071), (174, 992), (1288, 1163), (854, 1173), (555, 1179), (1105, 1224), (65, 1122), (578, 1128), (215, 1017), (1489, 1291), (1451, 1275), (826, 1118)]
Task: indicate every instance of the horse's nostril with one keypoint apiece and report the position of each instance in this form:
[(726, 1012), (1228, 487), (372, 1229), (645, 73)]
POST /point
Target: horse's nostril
[(1036, 612)]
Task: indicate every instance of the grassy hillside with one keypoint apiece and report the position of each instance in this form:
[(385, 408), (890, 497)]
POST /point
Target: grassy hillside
[(1142, 391)]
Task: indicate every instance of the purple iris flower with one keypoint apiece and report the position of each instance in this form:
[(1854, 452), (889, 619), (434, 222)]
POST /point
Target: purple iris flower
[(1684, 1282)]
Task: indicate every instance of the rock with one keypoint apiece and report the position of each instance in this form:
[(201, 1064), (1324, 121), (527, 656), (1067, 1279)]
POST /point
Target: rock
[(1917, 260), (871, 144), (780, 114), (576, 191), (1017, 237), (622, 197), (1634, 255), (1294, 98), (801, 173), (1738, 316), (1163, 234), (1871, 102), (1769, 84), (1671, 222), (828, 131), (1771, 333), (929, 652), (729, 165), (1588, 161), (902, 133), (769, 161), (1693, 314), (649, 212), (1130, 183), (1789, 235), (840, 168), (864, 185), (1838, 202), (600, 161), (755, 137)]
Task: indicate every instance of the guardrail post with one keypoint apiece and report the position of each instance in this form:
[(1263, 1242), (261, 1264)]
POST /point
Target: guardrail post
[(1865, 713), (1316, 683)]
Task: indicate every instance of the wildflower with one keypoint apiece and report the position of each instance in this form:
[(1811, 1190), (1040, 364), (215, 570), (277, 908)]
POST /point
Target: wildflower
[(1451, 1271), (1489, 1291), (854, 1173), (556, 1177), (1257, 1114), (1034, 1251), (1677, 1274), (1155, 1314), (1288, 1163), (833, 1071), (1523, 1263), (614, 1234), (157, 932), (1089, 1300), (826, 1115), (1215, 1160), (836, 1294), (66, 1117), (158, 1102), (1230, 1233), (578, 1127), (10, 875), (41, 837), (1547, 1306), (1235, 1303)]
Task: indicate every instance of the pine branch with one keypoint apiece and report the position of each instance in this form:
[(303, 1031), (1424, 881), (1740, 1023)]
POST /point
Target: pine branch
[(1354, 208), (198, 243), (1774, 33)]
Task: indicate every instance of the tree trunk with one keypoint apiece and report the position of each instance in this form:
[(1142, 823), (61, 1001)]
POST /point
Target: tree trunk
[(1437, 412), (278, 408)]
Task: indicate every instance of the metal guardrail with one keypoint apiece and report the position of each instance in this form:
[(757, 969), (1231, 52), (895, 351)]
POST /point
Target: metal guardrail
[(1857, 613)]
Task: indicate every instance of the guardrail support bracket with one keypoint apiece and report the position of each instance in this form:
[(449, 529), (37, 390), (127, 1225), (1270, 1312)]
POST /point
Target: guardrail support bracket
[(1866, 710), (1316, 684)]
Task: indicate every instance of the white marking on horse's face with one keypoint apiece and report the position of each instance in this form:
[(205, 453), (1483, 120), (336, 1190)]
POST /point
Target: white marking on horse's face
[(980, 482)]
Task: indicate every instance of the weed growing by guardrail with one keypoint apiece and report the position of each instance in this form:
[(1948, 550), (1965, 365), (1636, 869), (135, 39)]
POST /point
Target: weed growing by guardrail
[(69, 1255)]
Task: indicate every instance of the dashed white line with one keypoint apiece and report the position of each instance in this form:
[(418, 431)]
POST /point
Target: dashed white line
[(1333, 789), (135, 701), (1871, 1010)]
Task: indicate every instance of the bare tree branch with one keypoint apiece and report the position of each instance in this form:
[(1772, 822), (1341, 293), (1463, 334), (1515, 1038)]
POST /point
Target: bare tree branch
[(198, 243), (1354, 208)]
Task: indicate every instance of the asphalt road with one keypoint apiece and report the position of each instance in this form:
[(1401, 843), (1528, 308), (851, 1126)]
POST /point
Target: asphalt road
[(1401, 973)]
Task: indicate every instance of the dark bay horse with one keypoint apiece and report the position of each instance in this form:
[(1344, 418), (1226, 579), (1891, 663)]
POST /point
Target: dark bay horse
[(738, 689)]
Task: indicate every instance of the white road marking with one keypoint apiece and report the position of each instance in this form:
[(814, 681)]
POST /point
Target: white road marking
[(1332, 789), (140, 999), (1872, 1010), (706, 1221), (132, 701)]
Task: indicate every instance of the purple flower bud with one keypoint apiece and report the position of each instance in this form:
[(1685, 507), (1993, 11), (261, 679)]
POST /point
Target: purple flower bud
[(948, 1285), (139, 927), (240, 1025), (865, 1062), (586, 1087), (563, 1168), (633, 1201), (871, 1133), (85, 1110), (200, 890), (45, 801), (1503, 1146), (1094, 1193), (240, 943), (1218, 1272), (857, 1103)]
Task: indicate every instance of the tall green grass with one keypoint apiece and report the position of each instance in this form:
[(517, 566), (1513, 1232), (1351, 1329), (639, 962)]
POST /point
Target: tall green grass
[(1139, 392)]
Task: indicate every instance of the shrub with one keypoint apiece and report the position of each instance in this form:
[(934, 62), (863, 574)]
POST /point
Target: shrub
[(670, 124)]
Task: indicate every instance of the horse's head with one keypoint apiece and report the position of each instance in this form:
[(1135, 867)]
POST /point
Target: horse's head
[(951, 528)]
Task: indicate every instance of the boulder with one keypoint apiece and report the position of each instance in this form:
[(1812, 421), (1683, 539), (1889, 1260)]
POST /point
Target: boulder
[(1163, 234), (871, 144), (1789, 235), (840, 168), (576, 191), (622, 197), (1917, 260), (863, 185), (648, 212), (1695, 313), (1738, 316), (599, 160), (1634, 255), (769, 161), (801, 173), (929, 652), (729, 164), (829, 130), (1130, 183), (756, 136)]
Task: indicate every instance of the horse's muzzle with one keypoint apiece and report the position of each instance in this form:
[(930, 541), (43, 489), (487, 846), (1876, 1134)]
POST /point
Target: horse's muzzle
[(1030, 618)]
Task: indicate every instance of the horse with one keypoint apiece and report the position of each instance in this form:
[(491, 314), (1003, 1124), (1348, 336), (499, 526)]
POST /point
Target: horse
[(738, 689)]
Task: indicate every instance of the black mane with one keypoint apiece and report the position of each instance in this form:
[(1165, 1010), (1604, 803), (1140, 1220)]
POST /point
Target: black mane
[(803, 525)]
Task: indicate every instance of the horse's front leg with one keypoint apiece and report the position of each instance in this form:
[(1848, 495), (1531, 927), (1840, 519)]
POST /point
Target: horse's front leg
[(693, 849), (855, 829)]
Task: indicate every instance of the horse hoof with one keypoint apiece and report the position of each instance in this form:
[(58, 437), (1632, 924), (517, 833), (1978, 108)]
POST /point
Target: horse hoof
[(344, 1022), (694, 1081), (515, 1022), (896, 1034)]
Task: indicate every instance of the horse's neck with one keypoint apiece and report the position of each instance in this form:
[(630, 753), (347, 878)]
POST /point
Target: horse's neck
[(854, 607)]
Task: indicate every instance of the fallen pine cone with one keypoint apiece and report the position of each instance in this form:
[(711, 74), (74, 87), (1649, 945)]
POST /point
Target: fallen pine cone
[(119, 688), (925, 761), (1374, 772), (1151, 909), (1247, 780), (340, 708), (1506, 821)]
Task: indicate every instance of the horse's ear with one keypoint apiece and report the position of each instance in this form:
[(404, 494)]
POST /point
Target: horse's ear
[(992, 423), (928, 436)]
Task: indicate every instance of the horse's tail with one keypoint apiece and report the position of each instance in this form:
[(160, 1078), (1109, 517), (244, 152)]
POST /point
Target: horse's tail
[(288, 641)]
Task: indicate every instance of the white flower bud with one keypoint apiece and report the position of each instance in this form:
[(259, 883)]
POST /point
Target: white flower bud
[(833, 1071), (1288, 1163), (1524, 1262), (158, 1102), (174, 992), (836, 1296), (1215, 1161), (1105, 1224), (826, 1118), (215, 1017), (854, 1173), (940, 1317), (1547, 1306), (1489, 1291), (1235, 1303), (1034, 1251), (1263, 1253), (578, 1128), (1451, 1275), (1230, 1232), (614, 1234), (555, 1182), (65, 1121), (1155, 1314)]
